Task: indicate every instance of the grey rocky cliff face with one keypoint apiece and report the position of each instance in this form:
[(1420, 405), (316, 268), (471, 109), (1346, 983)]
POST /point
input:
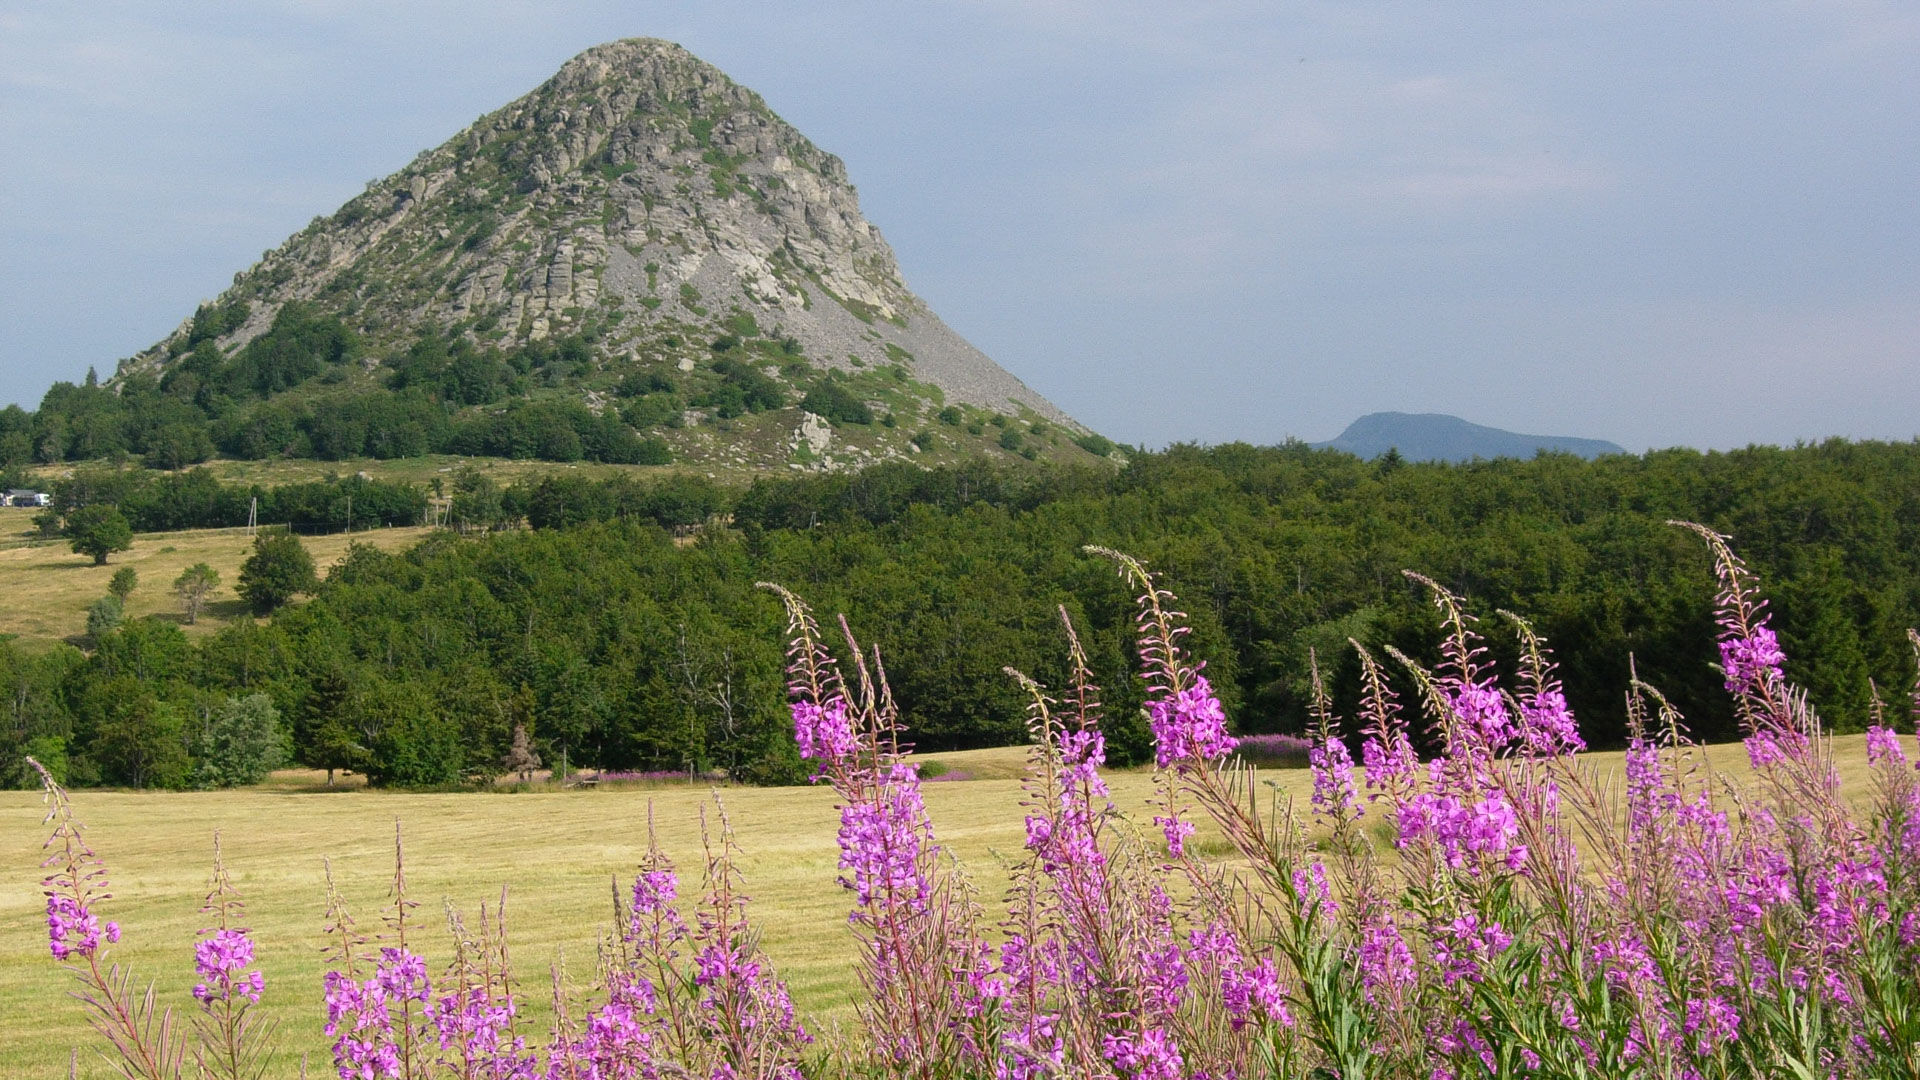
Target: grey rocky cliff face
[(639, 192)]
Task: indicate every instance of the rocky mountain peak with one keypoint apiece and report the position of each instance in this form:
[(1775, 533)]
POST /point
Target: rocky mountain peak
[(640, 201)]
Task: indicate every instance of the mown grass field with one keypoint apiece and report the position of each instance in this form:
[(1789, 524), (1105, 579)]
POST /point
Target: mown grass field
[(557, 850), (48, 587)]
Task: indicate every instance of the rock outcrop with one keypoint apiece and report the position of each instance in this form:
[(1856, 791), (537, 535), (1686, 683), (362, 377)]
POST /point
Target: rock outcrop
[(639, 200)]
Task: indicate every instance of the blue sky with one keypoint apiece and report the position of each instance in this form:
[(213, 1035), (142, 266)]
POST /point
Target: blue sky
[(1660, 224)]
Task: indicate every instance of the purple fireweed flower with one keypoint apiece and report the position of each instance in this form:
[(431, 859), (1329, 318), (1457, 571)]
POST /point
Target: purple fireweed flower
[(476, 1036), (1390, 763), (825, 732), (621, 1040), (218, 960), (360, 1014), (1176, 829), (1483, 712), (1467, 835), (654, 890), (1466, 945), (881, 840), (1883, 744), (1039, 831), (1251, 992), (1711, 1022), (402, 975), (1385, 961), (715, 962), (1310, 887), (1333, 789), (1066, 842), (1751, 662), (1081, 755), (1766, 748), (1191, 726), (1648, 796), (1625, 960), (361, 1027), (73, 929), (1463, 1038), (1547, 725), (1145, 1055), (1031, 1042)]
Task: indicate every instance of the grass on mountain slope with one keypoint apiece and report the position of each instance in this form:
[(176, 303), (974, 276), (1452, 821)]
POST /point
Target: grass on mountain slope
[(555, 849)]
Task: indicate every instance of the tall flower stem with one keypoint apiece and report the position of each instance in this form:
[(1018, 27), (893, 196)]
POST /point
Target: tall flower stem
[(145, 1041)]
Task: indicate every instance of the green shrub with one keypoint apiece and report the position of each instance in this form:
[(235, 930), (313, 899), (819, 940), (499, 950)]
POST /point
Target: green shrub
[(243, 741), (836, 403), (1097, 445), (104, 615)]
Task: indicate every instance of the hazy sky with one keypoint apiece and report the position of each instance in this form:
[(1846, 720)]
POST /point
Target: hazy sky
[(1655, 223)]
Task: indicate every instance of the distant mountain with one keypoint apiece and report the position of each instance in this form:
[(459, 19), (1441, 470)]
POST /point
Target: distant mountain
[(1438, 437), (637, 255)]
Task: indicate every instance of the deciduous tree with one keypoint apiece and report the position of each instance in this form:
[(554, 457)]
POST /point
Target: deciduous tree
[(277, 571), (99, 531), (194, 586)]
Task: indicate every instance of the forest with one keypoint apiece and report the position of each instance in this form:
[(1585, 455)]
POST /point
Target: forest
[(619, 624), (308, 387)]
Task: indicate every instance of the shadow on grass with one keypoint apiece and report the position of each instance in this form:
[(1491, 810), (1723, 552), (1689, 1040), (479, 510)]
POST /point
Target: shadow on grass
[(79, 563), (310, 782), (225, 609)]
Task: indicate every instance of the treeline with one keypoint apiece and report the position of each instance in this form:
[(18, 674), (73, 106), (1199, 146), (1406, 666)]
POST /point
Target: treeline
[(615, 642), (196, 499)]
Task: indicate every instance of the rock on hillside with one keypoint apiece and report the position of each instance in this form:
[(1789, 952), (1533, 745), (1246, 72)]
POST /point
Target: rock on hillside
[(640, 200)]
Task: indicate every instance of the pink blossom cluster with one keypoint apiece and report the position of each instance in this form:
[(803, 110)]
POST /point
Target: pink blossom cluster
[(1464, 947), (883, 840), (1883, 744), (73, 930), (1333, 787), (680, 1001), (1468, 834), (1751, 661), (360, 1014), (475, 1033), (1389, 761), (219, 960), (824, 731), (1189, 725), (1482, 712), (361, 1027), (1547, 726)]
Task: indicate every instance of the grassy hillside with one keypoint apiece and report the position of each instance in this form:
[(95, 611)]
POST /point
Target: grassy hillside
[(47, 587), (556, 850)]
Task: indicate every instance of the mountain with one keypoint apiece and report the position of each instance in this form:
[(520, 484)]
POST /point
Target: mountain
[(1438, 437), (640, 252)]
